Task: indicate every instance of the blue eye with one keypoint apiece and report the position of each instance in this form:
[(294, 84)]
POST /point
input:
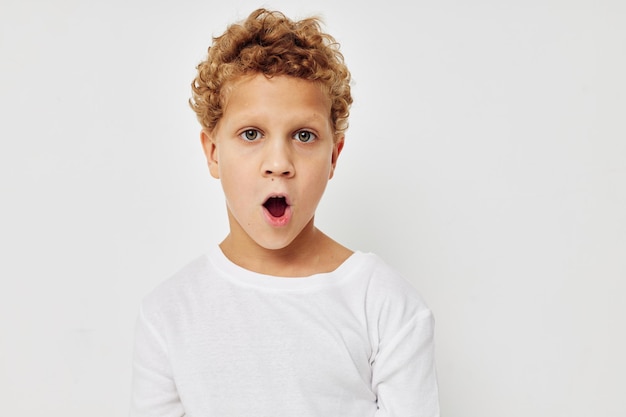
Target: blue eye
[(250, 135), (304, 136)]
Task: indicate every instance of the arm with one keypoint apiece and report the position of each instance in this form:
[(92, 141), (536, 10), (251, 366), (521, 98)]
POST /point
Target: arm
[(154, 392), (403, 371)]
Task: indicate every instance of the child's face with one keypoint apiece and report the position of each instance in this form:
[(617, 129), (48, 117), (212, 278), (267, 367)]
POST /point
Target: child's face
[(274, 152)]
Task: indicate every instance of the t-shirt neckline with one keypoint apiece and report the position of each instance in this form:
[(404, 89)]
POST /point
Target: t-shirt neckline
[(248, 277)]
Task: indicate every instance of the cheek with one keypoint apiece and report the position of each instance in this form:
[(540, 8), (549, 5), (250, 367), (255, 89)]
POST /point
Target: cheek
[(325, 167), (231, 169), (235, 186), (318, 176), (232, 183)]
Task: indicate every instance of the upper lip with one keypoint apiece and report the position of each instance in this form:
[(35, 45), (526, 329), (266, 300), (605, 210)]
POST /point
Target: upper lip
[(278, 195)]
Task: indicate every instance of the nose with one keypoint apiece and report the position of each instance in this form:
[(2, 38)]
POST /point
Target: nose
[(277, 159)]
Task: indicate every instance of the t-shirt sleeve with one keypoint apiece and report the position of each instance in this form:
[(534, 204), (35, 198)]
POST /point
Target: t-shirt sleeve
[(403, 371), (154, 392)]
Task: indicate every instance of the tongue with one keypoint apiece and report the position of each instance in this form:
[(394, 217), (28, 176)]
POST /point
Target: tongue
[(276, 206)]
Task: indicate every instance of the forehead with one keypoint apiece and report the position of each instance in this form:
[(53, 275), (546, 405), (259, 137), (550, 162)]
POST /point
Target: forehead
[(258, 93)]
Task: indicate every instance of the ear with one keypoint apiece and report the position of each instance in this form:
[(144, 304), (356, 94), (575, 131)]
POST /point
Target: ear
[(210, 151), (337, 148)]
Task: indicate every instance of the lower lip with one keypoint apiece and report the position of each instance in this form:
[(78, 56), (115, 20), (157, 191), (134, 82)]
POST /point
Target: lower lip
[(277, 221)]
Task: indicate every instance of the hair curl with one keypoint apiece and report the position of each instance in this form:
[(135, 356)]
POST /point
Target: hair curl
[(269, 43)]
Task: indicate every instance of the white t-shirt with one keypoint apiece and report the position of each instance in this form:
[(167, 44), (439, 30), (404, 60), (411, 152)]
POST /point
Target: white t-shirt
[(217, 340)]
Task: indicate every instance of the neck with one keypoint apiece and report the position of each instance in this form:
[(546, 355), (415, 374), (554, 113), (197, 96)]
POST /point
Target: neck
[(312, 252)]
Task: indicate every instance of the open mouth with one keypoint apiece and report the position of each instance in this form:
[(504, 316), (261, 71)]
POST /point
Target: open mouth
[(276, 206)]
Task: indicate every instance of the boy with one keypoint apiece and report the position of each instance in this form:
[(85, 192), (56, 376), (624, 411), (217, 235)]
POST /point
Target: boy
[(280, 320)]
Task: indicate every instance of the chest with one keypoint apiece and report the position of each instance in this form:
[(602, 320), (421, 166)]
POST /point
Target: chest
[(260, 346)]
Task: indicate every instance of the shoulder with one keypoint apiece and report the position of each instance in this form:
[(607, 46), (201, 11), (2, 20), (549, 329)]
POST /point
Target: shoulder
[(392, 301), (387, 285), (178, 289)]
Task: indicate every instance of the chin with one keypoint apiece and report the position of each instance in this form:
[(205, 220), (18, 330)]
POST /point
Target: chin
[(276, 241), (274, 244)]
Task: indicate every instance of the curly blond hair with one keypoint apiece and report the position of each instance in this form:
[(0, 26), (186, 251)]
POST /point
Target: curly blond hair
[(269, 43)]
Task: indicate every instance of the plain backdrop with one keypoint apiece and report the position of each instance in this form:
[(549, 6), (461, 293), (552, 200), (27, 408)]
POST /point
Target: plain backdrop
[(485, 160)]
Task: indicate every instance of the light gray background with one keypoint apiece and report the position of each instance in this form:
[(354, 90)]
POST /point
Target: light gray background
[(486, 161)]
